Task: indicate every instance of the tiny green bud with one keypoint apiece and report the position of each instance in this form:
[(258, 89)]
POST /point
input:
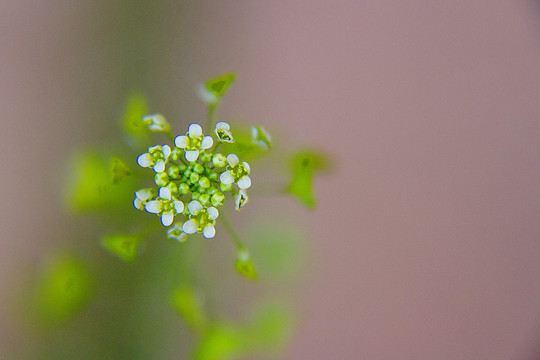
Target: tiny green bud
[(172, 187), (218, 199), (219, 160), (204, 199), (206, 157), (183, 188), (194, 177), (198, 168), (176, 154), (226, 187), (213, 176), (174, 172), (195, 195), (212, 190), (204, 182), (161, 179)]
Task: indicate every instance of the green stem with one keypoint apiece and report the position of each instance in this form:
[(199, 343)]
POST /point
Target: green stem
[(210, 116), (170, 135), (230, 230)]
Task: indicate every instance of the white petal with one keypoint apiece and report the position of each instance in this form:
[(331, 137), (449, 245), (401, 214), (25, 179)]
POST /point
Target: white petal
[(195, 130), (144, 160), (194, 207), (232, 159), (209, 232), (206, 95), (207, 142), (244, 183), (254, 133), (137, 203), (178, 206), (192, 155), (222, 125), (167, 219), (154, 127), (160, 166), (226, 178), (165, 193), (246, 165), (166, 149), (181, 141), (213, 213), (142, 194), (153, 206), (190, 227)]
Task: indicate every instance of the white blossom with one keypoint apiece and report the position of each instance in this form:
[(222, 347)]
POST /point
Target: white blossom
[(156, 123), (193, 142), (236, 172), (201, 220), (223, 132), (165, 206), (157, 157)]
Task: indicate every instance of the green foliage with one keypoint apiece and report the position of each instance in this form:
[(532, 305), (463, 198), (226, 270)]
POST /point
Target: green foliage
[(119, 170), (243, 145), (221, 342), (190, 307), (219, 85), (64, 288), (304, 166), (125, 247), (132, 122), (244, 264)]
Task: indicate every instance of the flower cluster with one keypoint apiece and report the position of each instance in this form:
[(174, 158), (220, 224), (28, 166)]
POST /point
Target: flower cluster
[(193, 179)]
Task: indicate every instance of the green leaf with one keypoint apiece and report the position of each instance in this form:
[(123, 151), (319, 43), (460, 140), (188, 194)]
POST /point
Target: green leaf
[(220, 342), (125, 247), (64, 288), (304, 166), (119, 169), (243, 145), (270, 329), (132, 123), (244, 264), (189, 306), (219, 85)]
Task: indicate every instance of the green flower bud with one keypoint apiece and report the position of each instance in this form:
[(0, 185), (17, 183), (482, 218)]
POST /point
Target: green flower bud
[(195, 195), (204, 182), (176, 154), (198, 168), (204, 199), (183, 188), (206, 157), (219, 160), (194, 177), (212, 190), (213, 176), (174, 172), (161, 179), (226, 187), (218, 199)]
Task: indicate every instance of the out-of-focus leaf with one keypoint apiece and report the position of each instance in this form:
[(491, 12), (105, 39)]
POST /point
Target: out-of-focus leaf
[(190, 307), (244, 264), (125, 247), (243, 145), (304, 166), (64, 288), (132, 122), (220, 342), (90, 187), (119, 169), (219, 85), (270, 329)]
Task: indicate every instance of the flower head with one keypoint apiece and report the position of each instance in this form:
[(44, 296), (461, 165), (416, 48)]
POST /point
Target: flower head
[(166, 206), (240, 199), (236, 172), (193, 142), (143, 196), (177, 233), (156, 123), (261, 137), (201, 220), (223, 132), (157, 157)]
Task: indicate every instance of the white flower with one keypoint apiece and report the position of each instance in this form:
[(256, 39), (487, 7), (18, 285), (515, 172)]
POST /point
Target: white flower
[(261, 137), (201, 220), (156, 123), (223, 132), (193, 142), (177, 233), (143, 196), (166, 206), (236, 172), (240, 199), (206, 95), (157, 156)]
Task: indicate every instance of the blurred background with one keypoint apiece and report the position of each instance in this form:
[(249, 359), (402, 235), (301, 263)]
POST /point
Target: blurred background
[(426, 240)]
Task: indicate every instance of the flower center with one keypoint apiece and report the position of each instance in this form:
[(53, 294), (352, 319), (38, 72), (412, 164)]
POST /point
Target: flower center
[(239, 171), (194, 142)]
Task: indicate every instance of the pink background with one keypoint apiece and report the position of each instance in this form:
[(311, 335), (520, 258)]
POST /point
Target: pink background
[(427, 235)]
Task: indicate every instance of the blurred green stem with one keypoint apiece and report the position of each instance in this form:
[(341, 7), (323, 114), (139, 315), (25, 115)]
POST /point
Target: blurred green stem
[(210, 116), (230, 230)]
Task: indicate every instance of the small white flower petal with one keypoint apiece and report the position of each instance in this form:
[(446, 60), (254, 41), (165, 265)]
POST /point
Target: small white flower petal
[(167, 219), (232, 159), (165, 193), (142, 195), (226, 178), (244, 183), (137, 203), (195, 130), (160, 166), (194, 207), (222, 125), (153, 206), (209, 232), (192, 155), (190, 227), (166, 149), (205, 95), (246, 165), (207, 142), (144, 160), (181, 141), (213, 213), (178, 206)]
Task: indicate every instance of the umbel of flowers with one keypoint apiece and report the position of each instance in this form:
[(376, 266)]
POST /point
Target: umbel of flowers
[(192, 180)]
